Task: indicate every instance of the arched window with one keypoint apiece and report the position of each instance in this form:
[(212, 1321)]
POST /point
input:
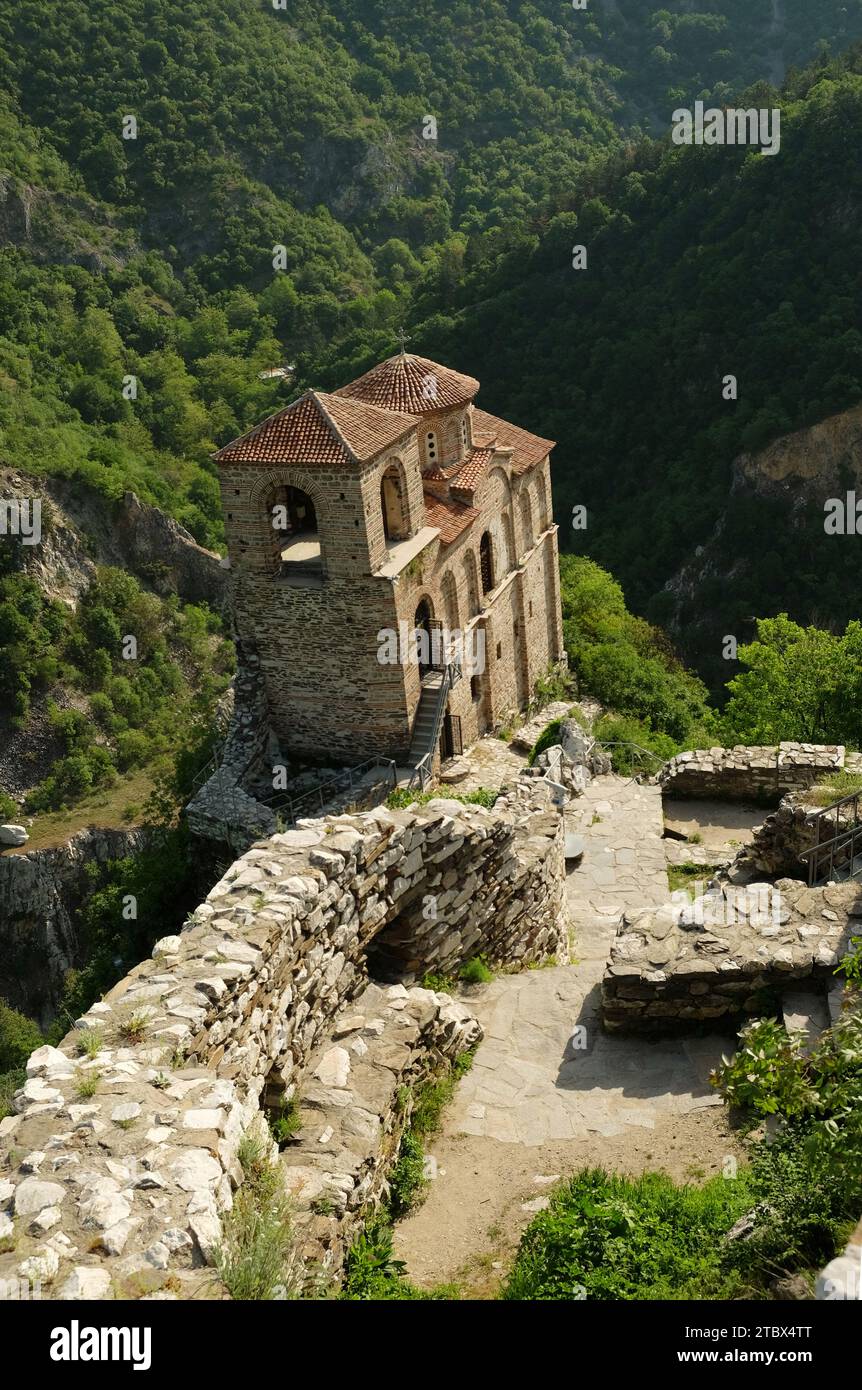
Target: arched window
[(449, 591), (393, 504), (465, 434), (293, 527), (431, 446), (473, 604), (527, 520), (486, 563)]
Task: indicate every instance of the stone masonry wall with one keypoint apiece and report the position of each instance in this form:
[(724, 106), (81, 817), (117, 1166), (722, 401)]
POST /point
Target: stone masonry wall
[(354, 1105), (122, 1152), (763, 773), (719, 957)]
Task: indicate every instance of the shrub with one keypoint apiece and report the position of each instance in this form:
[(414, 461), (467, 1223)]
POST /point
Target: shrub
[(8, 807), (407, 1177), (441, 984), (549, 736), (371, 1269), (607, 1237), (476, 971), (767, 1074), (133, 749), (285, 1122), (19, 1036)]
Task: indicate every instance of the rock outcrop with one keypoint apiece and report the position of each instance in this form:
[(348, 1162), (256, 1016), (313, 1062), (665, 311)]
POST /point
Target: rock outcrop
[(40, 891)]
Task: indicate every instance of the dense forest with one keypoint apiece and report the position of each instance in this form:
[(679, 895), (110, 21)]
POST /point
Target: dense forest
[(152, 257)]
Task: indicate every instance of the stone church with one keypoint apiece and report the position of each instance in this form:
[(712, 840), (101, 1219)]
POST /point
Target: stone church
[(394, 559)]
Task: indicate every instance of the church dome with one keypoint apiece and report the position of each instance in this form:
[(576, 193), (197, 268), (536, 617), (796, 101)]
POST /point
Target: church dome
[(412, 384)]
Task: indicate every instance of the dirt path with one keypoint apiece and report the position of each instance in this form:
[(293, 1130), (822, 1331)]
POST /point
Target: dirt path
[(549, 1092)]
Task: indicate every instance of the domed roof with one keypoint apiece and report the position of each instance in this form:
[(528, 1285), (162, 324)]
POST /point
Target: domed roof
[(412, 384)]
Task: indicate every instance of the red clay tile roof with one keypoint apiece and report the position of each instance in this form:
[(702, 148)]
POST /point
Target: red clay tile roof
[(528, 449), (472, 470), (320, 429), (450, 517), (414, 384)]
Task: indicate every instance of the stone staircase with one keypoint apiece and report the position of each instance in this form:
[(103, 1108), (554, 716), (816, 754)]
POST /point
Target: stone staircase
[(427, 724)]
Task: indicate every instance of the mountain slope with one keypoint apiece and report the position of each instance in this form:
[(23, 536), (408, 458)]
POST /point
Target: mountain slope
[(703, 262)]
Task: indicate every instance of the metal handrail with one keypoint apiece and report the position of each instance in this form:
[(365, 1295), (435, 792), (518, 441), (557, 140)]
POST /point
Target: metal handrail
[(837, 846), (422, 770), (626, 743), (349, 779)]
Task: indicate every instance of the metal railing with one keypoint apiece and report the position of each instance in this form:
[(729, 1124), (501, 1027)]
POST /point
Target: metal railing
[(638, 754), (839, 850), (423, 769), (352, 784)]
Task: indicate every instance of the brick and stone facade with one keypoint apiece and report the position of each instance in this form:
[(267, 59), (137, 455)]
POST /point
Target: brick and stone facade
[(400, 498)]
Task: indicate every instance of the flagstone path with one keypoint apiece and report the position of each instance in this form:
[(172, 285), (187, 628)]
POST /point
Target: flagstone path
[(548, 1091)]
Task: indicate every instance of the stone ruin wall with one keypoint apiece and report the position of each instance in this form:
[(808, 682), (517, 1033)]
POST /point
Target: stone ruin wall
[(725, 956), (759, 774), (120, 1192)]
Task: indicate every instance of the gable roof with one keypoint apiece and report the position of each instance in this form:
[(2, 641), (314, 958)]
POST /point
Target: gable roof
[(527, 449), (449, 516), (414, 384), (320, 429)]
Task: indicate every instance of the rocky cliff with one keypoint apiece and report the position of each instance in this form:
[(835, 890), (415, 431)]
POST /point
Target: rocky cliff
[(82, 529), (40, 893)]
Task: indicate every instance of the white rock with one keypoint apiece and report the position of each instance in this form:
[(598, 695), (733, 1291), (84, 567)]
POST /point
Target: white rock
[(13, 835), (50, 1062), (168, 946), (333, 1069), (37, 1092), (196, 1168), (175, 1239), (32, 1196), (40, 1268), (85, 1282), (45, 1221), (158, 1255), (104, 1210), (207, 1232), (203, 1119), (158, 1134), (115, 1237), (130, 1111), (6, 1225)]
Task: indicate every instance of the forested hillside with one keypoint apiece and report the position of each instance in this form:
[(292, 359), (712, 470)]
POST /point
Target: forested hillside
[(139, 305), (703, 263)]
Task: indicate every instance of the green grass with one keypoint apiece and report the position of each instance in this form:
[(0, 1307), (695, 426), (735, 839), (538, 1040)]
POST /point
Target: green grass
[(476, 972), (834, 788), (401, 799), (441, 984), (252, 1258), (685, 876), (606, 1237), (285, 1122)]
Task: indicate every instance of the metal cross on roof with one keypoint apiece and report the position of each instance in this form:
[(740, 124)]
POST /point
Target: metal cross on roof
[(403, 340)]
